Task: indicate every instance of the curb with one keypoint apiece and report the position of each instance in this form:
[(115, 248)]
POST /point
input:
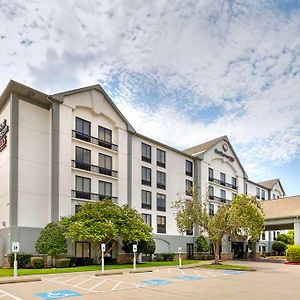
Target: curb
[(140, 271), (108, 273), (19, 280)]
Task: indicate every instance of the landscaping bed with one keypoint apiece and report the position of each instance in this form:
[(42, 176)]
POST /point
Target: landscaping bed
[(226, 267)]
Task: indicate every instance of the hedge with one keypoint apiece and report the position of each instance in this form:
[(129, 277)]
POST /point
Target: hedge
[(62, 263), (279, 247), (293, 254), (165, 257), (23, 259), (37, 263)]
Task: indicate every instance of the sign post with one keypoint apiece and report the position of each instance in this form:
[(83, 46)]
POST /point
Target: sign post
[(103, 249), (134, 249), (179, 256), (15, 248)]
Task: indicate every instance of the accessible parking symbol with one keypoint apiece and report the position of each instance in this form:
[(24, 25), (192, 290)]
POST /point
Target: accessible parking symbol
[(57, 294), (157, 282)]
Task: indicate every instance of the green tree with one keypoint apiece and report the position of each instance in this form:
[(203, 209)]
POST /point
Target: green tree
[(241, 216), (145, 247), (291, 236), (287, 239), (201, 244), (279, 247), (107, 222), (52, 240)]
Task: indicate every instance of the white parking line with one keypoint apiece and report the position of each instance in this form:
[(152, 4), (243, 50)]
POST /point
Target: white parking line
[(98, 284), (10, 295), (70, 279), (84, 281), (67, 284), (116, 286)]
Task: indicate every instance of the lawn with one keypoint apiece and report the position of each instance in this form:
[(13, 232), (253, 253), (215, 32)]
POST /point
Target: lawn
[(9, 272), (227, 267)]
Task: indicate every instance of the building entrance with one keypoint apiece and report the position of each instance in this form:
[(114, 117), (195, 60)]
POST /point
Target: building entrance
[(237, 249)]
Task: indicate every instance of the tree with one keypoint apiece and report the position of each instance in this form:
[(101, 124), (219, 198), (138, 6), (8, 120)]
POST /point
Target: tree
[(285, 238), (201, 244), (242, 216), (52, 240), (107, 222), (291, 236), (279, 247), (145, 247)]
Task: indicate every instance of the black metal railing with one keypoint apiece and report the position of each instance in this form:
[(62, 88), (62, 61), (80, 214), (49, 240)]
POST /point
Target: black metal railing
[(91, 196), (188, 173), (218, 181), (161, 208), (93, 168), (161, 186), (160, 164), (146, 159), (161, 228), (94, 140), (146, 182), (216, 198), (146, 205)]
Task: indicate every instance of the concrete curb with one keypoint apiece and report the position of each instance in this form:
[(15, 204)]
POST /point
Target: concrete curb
[(140, 271), (19, 280), (108, 273)]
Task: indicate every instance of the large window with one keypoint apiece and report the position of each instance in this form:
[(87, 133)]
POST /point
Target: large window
[(211, 209), (146, 199), (211, 192), (83, 129), (105, 137), (83, 187), (263, 236), (161, 158), (233, 182), (263, 195), (161, 180), (105, 164), (223, 195), (189, 187), (258, 193), (210, 174), (161, 202), (161, 224), (105, 188), (82, 158), (82, 249), (147, 219), (188, 168), (146, 176), (146, 153), (222, 178)]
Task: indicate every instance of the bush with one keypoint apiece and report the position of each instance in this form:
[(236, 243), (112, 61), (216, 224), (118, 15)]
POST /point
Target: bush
[(23, 259), (201, 244), (62, 263), (279, 247), (145, 247), (285, 238), (37, 262), (165, 257), (81, 261), (293, 254)]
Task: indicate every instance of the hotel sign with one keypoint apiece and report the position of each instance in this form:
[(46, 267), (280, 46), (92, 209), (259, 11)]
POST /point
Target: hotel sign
[(225, 148), (3, 134)]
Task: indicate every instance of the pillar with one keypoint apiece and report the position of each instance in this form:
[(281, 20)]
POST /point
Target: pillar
[(297, 231)]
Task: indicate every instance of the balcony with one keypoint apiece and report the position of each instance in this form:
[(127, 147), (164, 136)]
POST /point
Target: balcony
[(218, 181), (92, 196), (146, 205), (161, 186), (93, 168), (160, 164), (161, 208), (146, 159), (94, 140), (146, 182), (215, 198), (188, 173)]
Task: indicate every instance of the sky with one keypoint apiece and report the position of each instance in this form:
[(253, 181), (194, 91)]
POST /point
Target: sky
[(182, 72)]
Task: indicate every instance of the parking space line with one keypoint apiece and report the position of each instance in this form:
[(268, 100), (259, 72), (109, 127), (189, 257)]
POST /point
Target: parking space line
[(67, 284), (98, 284), (116, 286), (84, 281), (10, 295), (70, 279)]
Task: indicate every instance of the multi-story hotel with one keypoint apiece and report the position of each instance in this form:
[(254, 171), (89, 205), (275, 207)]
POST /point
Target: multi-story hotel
[(59, 151)]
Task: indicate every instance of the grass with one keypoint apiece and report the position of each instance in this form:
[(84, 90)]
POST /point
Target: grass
[(9, 272), (227, 267)]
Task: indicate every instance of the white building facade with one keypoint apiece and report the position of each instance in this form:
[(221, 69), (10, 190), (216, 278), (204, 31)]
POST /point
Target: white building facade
[(59, 151)]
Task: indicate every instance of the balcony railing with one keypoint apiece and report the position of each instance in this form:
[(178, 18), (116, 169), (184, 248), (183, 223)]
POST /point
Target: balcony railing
[(146, 205), (189, 173), (161, 164), (146, 182), (94, 140), (93, 168), (161, 208), (146, 159), (161, 186), (161, 228), (218, 181), (212, 197), (92, 196)]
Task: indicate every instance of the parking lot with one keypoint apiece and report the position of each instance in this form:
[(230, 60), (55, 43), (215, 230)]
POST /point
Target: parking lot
[(165, 283)]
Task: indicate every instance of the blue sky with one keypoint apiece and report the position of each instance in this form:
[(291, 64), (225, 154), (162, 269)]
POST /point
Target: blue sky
[(182, 72)]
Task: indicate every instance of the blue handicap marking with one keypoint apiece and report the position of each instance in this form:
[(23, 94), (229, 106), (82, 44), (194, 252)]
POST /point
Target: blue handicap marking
[(232, 272), (157, 282), (57, 294), (186, 277)]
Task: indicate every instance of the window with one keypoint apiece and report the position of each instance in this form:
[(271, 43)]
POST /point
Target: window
[(77, 208), (161, 224), (263, 195), (83, 129), (161, 180), (258, 193), (105, 137), (222, 178), (223, 195), (211, 192), (188, 168), (147, 219), (233, 182), (82, 249), (211, 209), (263, 236), (105, 164), (105, 188), (246, 189), (274, 236), (161, 158), (188, 187), (233, 196), (82, 158), (83, 187), (189, 231), (146, 153), (274, 197), (210, 174), (146, 199), (146, 176), (161, 202)]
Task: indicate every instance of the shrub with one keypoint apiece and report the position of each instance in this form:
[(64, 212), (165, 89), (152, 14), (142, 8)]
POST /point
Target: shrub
[(279, 247), (145, 247), (81, 261), (37, 262), (23, 259), (287, 239), (62, 263), (201, 244), (293, 253), (168, 256)]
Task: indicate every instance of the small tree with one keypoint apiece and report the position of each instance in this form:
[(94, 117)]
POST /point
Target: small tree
[(279, 247), (52, 241), (145, 247), (241, 216), (201, 244), (283, 238), (291, 236)]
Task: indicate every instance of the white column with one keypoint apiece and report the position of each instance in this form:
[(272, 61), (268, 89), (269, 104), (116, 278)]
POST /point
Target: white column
[(297, 231)]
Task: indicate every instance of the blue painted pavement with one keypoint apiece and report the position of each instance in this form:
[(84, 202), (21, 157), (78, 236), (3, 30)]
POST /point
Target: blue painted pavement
[(57, 294), (157, 282)]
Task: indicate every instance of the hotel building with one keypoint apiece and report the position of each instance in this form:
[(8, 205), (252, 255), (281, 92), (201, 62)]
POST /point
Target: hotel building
[(59, 151)]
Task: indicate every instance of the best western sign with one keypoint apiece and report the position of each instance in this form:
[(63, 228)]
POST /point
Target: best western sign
[(225, 148), (3, 134)]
